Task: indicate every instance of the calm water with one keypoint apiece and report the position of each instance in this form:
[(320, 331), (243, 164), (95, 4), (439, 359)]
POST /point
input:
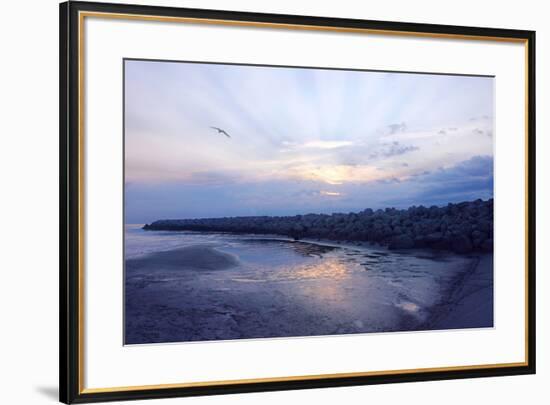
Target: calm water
[(254, 286)]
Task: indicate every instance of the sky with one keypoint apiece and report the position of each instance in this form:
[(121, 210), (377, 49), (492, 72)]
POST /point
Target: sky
[(301, 140)]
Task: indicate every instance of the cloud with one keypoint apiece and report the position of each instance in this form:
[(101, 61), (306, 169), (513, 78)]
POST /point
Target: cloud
[(469, 179), (331, 193), (335, 174), (389, 180), (210, 178), (480, 118), (392, 149), (317, 144), (395, 128)]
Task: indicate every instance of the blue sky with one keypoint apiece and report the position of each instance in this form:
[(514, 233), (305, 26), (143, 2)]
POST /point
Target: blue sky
[(302, 140)]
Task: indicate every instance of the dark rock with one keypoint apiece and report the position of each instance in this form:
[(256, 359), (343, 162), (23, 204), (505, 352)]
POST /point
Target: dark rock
[(462, 227), (487, 245), (444, 243), (420, 242), (434, 237), (401, 242), (462, 244), (478, 238), (485, 225)]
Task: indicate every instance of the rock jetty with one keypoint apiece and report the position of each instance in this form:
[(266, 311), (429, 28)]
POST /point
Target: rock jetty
[(462, 228)]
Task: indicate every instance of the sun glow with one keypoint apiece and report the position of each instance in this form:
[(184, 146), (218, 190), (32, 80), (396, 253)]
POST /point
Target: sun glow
[(331, 193), (338, 174), (326, 144)]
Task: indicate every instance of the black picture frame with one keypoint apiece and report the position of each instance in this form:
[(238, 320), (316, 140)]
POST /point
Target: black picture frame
[(70, 312)]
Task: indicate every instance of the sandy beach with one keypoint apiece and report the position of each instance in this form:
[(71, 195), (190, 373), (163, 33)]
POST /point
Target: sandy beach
[(220, 287), (197, 257), (470, 302)]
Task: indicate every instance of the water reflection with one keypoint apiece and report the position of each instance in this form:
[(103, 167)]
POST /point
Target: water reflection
[(331, 268)]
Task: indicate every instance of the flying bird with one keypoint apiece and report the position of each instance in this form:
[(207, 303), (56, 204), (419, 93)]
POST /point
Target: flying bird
[(221, 131)]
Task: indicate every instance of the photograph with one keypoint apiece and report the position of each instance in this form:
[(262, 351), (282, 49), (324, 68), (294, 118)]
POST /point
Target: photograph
[(267, 201), (282, 199)]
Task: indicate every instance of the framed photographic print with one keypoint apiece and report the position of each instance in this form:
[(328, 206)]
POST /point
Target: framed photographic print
[(254, 202)]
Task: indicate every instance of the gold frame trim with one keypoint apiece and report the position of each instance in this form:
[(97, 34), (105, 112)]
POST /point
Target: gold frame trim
[(123, 16), (295, 378)]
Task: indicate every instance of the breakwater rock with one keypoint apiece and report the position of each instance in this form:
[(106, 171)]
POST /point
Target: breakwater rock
[(462, 228)]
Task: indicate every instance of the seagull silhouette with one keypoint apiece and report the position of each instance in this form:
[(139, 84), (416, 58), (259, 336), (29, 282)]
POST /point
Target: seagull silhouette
[(221, 131)]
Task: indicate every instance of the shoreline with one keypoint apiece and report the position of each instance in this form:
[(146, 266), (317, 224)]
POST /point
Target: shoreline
[(465, 227), (339, 243), (467, 301)]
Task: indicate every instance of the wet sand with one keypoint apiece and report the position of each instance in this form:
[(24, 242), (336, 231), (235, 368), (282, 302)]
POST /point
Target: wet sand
[(470, 302), (264, 288), (197, 257)]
